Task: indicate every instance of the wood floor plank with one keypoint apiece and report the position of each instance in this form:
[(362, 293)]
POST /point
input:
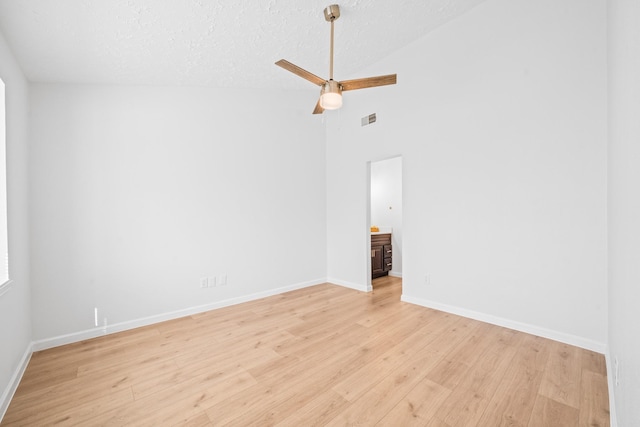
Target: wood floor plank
[(550, 413), (74, 391), (361, 380), (94, 350), (282, 393), (181, 402), (314, 385), (203, 369), (137, 354), (374, 405), (513, 401), (307, 340), (418, 407), (593, 362), (454, 367), (278, 389), (469, 399), (32, 381), (301, 301), (199, 420), (315, 356), (594, 400), (69, 412), (563, 374), (317, 411), (534, 352)]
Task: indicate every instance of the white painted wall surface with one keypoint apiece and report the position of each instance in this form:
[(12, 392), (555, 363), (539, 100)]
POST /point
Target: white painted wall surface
[(15, 307), (500, 117), (138, 192), (624, 207), (386, 204)]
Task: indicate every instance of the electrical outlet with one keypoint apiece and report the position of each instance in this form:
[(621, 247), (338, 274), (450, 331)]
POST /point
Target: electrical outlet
[(212, 282), (427, 279), (204, 282), (223, 279)]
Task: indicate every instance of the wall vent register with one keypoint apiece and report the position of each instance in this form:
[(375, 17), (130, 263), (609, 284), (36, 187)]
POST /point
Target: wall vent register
[(367, 120)]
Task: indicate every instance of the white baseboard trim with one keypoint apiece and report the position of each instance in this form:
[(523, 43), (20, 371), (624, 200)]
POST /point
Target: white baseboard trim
[(136, 323), (613, 418), (11, 388), (356, 286), (395, 273), (511, 324)]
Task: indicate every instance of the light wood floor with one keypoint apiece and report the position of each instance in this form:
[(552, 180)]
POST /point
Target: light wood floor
[(323, 355)]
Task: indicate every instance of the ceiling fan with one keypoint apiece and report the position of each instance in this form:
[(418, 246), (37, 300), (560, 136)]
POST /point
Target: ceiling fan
[(331, 90)]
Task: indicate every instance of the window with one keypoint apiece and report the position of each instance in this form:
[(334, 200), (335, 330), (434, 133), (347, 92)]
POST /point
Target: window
[(4, 247)]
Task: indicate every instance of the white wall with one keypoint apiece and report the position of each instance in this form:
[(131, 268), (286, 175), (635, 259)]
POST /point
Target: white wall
[(15, 309), (137, 192), (500, 117), (386, 204), (624, 206)]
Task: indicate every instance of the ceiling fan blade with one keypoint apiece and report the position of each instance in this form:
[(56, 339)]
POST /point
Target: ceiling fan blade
[(389, 79), (300, 72), (318, 109)]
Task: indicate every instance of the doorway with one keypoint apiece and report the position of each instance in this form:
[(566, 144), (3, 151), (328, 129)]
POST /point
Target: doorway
[(385, 220)]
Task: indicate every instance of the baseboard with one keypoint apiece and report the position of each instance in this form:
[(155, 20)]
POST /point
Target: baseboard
[(511, 324), (356, 286), (613, 418), (11, 388), (132, 324), (395, 273)]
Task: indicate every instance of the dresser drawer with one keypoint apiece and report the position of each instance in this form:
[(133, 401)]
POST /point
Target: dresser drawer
[(380, 239), (387, 251)]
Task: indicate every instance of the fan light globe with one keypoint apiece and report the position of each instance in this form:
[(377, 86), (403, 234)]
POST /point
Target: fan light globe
[(331, 101), (331, 96)]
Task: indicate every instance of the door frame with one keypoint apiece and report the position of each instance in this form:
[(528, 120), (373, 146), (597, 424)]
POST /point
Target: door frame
[(368, 210)]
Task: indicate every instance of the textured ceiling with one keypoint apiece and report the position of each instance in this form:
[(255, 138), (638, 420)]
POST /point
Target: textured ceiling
[(205, 42)]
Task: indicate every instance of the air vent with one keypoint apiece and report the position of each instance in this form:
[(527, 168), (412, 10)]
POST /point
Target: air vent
[(367, 120)]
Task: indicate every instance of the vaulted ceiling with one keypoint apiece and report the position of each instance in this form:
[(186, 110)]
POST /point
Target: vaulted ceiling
[(211, 43)]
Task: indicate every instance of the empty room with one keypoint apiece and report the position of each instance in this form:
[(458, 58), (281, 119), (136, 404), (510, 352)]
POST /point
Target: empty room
[(303, 213)]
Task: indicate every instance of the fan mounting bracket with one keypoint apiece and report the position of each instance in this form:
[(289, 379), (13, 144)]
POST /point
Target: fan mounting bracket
[(331, 13)]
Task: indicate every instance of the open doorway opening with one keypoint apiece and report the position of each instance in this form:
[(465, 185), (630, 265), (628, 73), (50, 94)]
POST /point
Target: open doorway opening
[(385, 221)]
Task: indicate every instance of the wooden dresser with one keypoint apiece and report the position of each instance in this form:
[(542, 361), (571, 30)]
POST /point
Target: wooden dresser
[(381, 253)]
